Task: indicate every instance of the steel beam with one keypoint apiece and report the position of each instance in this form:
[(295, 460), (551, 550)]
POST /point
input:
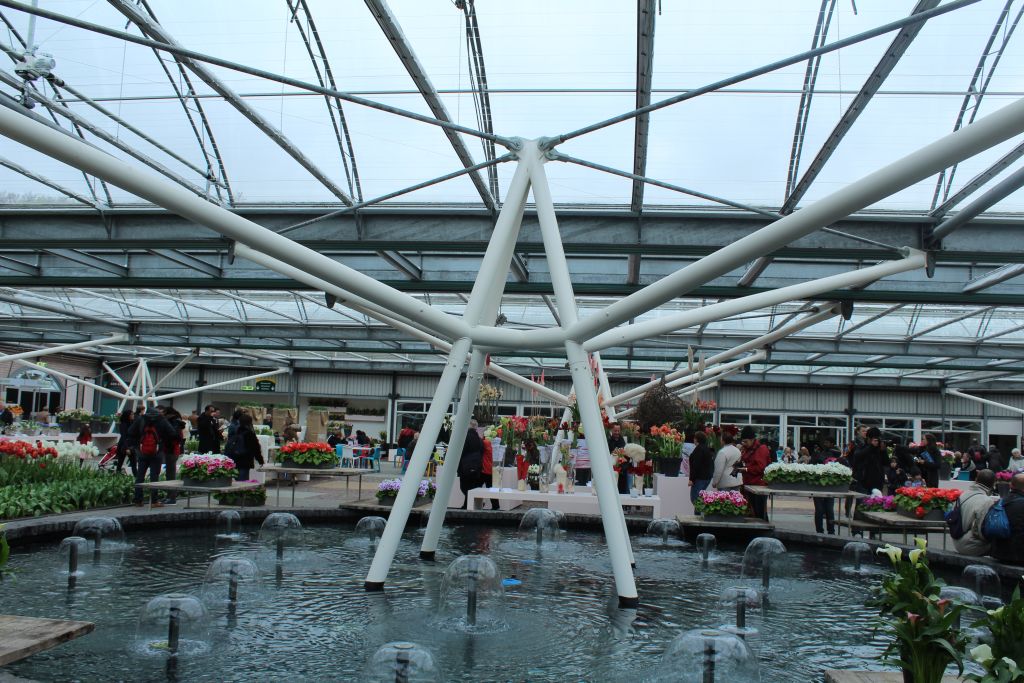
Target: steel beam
[(645, 20), (42, 180), (1002, 190), (189, 261), (207, 387), (393, 32), (68, 378), (994, 277)]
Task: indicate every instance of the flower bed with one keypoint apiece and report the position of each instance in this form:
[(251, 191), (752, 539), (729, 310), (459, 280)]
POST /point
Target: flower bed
[(792, 475), (877, 504), (30, 487), (721, 504), (921, 502), (73, 450), (254, 498), (25, 450), (207, 469), (309, 454)]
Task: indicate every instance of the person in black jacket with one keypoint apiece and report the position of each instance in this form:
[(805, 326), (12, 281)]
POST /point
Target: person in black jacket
[(825, 508), (124, 449), (150, 424), (246, 452), (471, 464), (209, 430), (869, 463), (928, 461), (174, 449), (702, 465), (1012, 549)]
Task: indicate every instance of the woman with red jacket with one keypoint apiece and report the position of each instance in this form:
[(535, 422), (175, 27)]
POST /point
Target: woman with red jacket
[(487, 469), (755, 458)]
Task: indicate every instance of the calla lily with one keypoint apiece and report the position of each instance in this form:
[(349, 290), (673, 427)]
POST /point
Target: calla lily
[(915, 556), (921, 543), (895, 554), (941, 605), (982, 654), (913, 618)]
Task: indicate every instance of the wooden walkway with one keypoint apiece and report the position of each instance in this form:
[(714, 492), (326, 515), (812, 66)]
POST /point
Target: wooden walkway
[(838, 676), (24, 636)]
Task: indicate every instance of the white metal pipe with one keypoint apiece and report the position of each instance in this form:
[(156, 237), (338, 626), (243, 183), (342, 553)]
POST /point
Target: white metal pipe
[(69, 378), (954, 392), (388, 545), (173, 198), (616, 534), (360, 304), (23, 300), (984, 133), (717, 370), (142, 386), (116, 339), (670, 323), (446, 477), (757, 343), (604, 386), (207, 387), (117, 378), (176, 369)]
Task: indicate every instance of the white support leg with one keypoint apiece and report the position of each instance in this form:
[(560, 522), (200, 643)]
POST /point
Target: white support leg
[(196, 390), (446, 477), (388, 545), (616, 534), (69, 378), (117, 377), (175, 370), (116, 339), (129, 392)]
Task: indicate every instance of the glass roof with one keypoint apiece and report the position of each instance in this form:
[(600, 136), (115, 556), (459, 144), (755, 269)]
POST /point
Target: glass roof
[(551, 68)]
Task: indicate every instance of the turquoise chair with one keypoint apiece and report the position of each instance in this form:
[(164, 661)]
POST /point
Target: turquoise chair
[(371, 461), (400, 459)]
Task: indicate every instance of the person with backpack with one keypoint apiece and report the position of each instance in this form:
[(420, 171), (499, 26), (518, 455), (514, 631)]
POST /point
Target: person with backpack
[(974, 503), (1012, 549), (151, 436), (243, 446), (174, 449)]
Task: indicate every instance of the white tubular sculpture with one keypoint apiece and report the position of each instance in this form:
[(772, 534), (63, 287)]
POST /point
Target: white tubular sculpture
[(476, 333)]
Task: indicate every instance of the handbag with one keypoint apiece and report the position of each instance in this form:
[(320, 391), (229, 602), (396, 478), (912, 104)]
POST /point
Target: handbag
[(996, 526)]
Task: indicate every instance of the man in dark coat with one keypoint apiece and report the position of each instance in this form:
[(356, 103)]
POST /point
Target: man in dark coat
[(702, 465), (471, 464), (869, 463), (1012, 549), (209, 430)]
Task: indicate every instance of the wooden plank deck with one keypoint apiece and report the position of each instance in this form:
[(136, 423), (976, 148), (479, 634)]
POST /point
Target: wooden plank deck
[(740, 523), (24, 636)]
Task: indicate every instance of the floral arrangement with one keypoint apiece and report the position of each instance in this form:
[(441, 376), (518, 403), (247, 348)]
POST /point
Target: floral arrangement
[(628, 457), (533, 474), (730, 503), (25, 450), (72, 449), (512, 431), (16, 410), (831, 474), (542, 430), (255, 497), (206, 467), (487, 397), (1002, 656), (389, 488), (630, 430), (645, 470), (308, 452), (664, 442), (923, 625), (920, 500), (697, 413), (79, 414), (877, 504)]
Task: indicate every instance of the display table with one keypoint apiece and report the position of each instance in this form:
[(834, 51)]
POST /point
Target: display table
[(581, 502), (675, 495), (24, 636), (177, 485), (800, 493), (895, 523), (347, 472), (508, 481)]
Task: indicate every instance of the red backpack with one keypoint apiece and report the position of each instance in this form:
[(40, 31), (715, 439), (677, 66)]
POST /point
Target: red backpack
[(149, 445)]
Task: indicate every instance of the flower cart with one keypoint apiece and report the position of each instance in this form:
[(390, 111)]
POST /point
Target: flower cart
[(811, 478)]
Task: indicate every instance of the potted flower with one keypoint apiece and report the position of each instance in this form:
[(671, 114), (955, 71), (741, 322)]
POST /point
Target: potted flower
[(721, 505), (255, 497), (797, 477), (533, 477), (665, 444), (925, 637), (387, 491), (210, 471), (643, 476), (308, 454), (925, 503), (877, 504), (71, 420)]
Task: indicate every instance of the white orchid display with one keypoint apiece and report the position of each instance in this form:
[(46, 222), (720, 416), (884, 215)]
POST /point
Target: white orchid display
[(829, 474)]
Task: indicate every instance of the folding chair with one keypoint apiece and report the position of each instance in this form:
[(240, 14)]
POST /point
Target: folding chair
[(344, 460)]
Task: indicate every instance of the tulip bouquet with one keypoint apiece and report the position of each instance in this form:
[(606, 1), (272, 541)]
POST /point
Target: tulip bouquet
[(921, 500), (730, 503), (923, 625), (206, 467)]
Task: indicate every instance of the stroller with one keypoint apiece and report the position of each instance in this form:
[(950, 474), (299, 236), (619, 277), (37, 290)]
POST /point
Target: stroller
[(108, 462)]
